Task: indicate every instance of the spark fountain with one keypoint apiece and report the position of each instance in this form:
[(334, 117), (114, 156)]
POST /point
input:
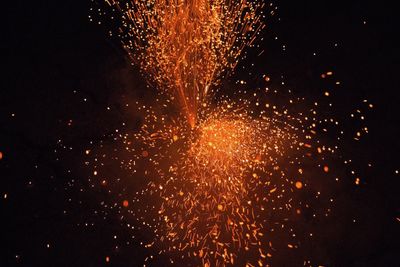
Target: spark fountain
[(223, 175), (184, 46)]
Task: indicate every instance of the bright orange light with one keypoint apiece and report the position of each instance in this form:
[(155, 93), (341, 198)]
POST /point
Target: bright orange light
[(299, 185)]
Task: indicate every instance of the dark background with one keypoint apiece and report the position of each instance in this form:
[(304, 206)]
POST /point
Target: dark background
[(53, 59)]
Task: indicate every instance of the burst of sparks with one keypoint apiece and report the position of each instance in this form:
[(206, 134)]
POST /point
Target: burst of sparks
[(214, 189), (207, 188), (184, 46), (216, 193)]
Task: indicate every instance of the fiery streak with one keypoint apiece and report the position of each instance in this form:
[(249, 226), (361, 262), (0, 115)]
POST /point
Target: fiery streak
[(184, 46)]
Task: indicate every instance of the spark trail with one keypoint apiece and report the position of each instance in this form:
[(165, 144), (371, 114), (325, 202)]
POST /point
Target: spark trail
[(184, 46)]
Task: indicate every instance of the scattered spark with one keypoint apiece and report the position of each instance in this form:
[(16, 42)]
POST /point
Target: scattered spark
[(299, 185), (326, 169)]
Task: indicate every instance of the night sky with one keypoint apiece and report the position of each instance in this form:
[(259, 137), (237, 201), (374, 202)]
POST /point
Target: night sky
[(65, 79)]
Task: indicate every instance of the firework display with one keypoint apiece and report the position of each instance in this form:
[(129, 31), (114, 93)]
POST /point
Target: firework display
[(222, 174), (199, 133)]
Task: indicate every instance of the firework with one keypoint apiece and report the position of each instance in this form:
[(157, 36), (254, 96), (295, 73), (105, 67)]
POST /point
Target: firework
[(184, 46), (220, 178)]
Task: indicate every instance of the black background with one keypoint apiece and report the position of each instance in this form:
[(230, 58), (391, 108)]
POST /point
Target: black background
[(50, 49)]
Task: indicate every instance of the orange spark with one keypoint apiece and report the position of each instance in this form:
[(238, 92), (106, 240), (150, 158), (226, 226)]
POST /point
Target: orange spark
[(299, 185)]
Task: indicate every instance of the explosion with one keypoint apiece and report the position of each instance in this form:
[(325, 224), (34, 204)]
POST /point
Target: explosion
[(220, 176)]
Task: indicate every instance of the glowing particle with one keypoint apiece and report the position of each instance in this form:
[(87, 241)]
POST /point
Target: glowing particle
[(326, 93), (145, 153), (290, 246), (175, 138), (95, 173), (299, 185), (326, 169), (357, 181), (1, 155), (125, 203), (107, 259), (220, 207)]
